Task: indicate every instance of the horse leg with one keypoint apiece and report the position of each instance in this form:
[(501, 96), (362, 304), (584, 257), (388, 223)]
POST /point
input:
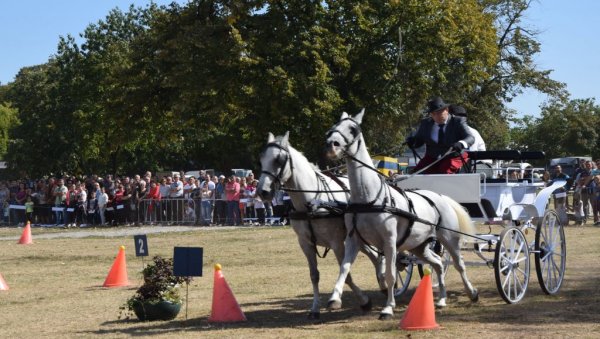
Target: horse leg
[(453, 247), (365, 302), (390, 278), (425, 253), (379, 264), (350, 252), (311, 256)]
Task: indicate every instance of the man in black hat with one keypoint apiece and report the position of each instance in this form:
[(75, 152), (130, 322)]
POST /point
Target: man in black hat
[(440, 132)]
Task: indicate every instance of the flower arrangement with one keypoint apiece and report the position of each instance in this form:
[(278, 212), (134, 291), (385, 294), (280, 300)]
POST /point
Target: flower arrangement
[(160, 285)]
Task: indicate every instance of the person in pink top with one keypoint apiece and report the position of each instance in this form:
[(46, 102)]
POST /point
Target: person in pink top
[(232, 194)]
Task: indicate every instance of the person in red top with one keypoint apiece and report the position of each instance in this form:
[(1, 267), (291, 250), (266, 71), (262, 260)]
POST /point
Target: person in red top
[(232, 193), (118, 204), (154, 196)]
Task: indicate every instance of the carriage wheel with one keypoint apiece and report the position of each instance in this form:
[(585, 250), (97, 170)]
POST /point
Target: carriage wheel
[(550, 252), (511, 265), (404, 271)]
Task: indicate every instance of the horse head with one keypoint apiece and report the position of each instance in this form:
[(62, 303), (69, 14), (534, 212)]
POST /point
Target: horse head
[(275, 161), (342, 137)]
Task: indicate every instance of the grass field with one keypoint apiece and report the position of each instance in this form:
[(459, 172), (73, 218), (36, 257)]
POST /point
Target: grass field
[(55, 291)]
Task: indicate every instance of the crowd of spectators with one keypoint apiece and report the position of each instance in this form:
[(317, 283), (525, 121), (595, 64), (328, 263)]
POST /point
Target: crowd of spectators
[(112, 201), (586, 191)]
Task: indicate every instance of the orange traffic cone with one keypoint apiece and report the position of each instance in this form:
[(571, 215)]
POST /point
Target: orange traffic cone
[(420, 314), (3, 285), (26, 236), (117, 276), (224, 306)]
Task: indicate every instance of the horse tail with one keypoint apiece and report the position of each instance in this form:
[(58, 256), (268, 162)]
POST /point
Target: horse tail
[(465, 224)]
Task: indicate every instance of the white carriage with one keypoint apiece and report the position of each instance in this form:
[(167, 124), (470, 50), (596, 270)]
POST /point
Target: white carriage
[(519, 204)]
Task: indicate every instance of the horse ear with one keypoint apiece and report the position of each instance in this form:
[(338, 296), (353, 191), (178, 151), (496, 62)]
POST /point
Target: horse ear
[(344, 116), (270, 138), (359, 116), (284, 140)]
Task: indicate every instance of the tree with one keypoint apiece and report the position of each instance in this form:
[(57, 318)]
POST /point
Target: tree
[(8, 119), (563, 129), (514, 71), (200, 85)]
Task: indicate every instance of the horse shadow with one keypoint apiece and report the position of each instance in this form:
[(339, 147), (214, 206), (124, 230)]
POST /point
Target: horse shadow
[(275, 313), (572, 301)]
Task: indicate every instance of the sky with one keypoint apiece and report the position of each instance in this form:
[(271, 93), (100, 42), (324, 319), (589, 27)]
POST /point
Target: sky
[(30, 29)]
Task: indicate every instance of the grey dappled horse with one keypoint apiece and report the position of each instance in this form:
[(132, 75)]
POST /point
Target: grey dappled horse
[(313, 196), (377, 215)]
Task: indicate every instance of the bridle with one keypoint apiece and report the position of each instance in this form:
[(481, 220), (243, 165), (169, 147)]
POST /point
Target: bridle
[(356, 138), (349, 144), (279, 176)]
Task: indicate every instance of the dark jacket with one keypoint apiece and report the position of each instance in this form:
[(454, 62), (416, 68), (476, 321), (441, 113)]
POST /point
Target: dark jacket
[(456, 130)]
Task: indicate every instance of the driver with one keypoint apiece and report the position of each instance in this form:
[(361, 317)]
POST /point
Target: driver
[(440, 132)]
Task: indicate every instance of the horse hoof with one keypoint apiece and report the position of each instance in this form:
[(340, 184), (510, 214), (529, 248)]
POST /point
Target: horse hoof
[(475, 296), (367, 307), (385, 316), (314, 315), (334, 305)]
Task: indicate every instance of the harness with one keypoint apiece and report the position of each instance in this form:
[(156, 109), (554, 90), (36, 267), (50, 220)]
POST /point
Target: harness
[(410, 215), (323, 210), (371, 207)]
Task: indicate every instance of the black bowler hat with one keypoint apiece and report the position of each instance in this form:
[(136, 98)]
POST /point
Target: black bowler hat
[(458, 110), (436, 104)]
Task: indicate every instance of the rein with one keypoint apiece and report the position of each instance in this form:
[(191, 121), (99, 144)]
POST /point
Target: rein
[(332, 210)]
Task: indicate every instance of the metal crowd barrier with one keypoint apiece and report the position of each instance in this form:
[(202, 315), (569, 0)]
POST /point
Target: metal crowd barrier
[(146, 211), (169, 211)]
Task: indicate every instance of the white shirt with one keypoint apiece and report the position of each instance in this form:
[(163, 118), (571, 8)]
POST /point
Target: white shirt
[(82, 196), (176, 189), (187, 189), (102, 199), (479, 144)]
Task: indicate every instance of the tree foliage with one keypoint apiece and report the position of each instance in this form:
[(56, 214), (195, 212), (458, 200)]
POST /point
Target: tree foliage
[(562, 129), (201, 84)]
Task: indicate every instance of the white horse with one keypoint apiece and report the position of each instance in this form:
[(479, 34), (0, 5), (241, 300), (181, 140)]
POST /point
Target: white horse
[(393, 220), (314, 196)]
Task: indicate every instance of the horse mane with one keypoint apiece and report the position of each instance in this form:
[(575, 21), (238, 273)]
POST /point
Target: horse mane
[(278, 139)]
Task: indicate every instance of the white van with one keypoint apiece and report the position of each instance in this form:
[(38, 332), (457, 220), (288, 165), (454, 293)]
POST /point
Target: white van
[(196, 173), (241, 172)]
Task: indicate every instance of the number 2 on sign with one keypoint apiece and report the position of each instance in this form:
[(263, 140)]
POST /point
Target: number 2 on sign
[(141, 243)]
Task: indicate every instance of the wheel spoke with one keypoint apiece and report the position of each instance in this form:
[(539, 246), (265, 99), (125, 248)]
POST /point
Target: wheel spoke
[(517, 280), (550, 277), (521, 259), (506, 281)]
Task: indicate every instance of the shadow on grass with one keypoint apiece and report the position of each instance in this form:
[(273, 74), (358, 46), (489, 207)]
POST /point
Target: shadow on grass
[(577, 302), (288, 313)]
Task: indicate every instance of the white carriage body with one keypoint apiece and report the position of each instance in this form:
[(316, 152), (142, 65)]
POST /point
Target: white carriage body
[(516, 202), (490, 200)]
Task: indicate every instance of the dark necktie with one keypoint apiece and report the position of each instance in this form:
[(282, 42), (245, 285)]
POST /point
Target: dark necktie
[(441, 134)]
